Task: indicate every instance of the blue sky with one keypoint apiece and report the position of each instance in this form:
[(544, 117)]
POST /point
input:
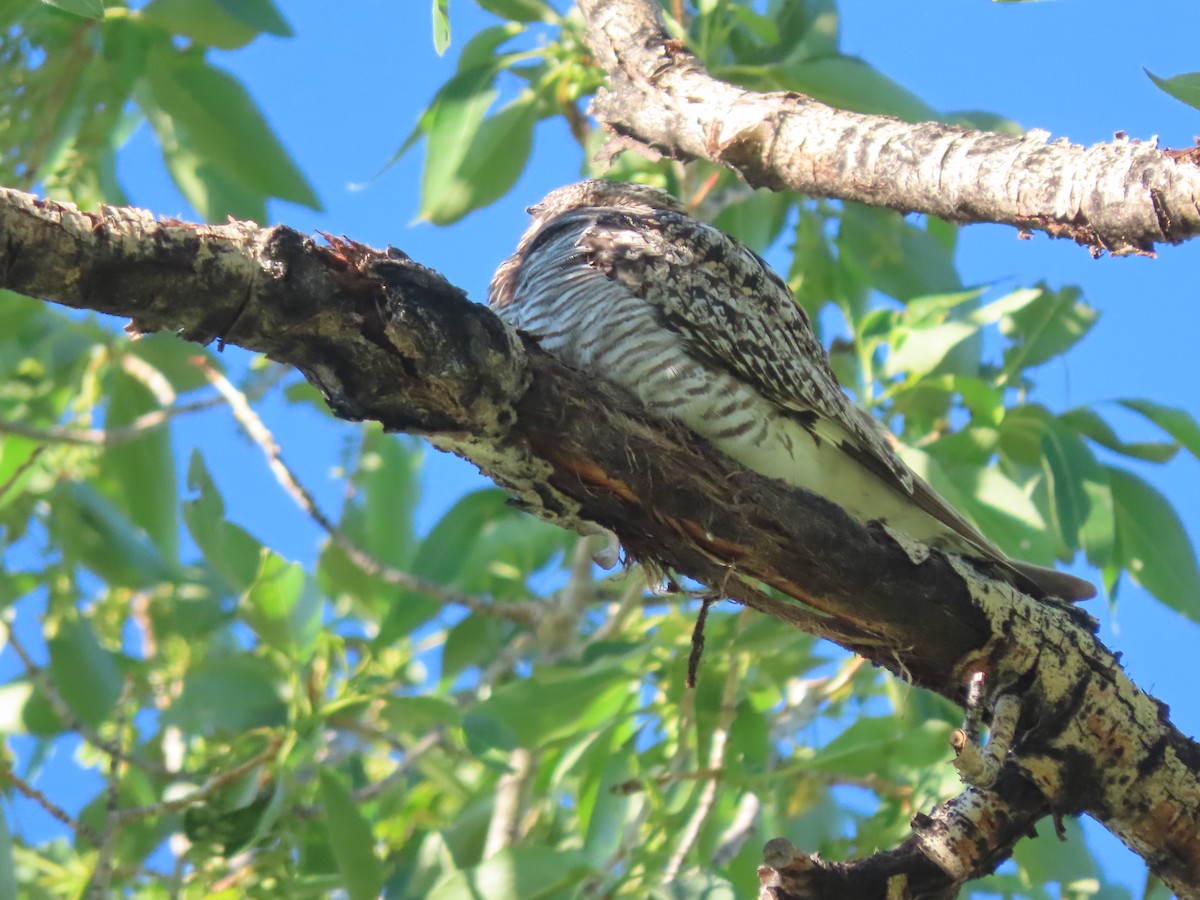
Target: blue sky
[(347, 89)]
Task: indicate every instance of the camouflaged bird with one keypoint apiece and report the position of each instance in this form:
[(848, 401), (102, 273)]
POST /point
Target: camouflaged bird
[(617, 280)]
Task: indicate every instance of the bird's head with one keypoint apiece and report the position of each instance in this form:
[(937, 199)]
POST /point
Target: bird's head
[(605, 195)]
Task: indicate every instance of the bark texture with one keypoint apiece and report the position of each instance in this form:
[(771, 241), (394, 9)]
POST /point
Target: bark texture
[(1123, 197), (387, 339)]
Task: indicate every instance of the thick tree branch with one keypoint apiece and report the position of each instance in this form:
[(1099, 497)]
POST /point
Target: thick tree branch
[(387, 339), (1123, 197)]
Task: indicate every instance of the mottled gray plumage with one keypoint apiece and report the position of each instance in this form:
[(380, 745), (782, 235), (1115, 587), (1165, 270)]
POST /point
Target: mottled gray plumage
[(618, 280)]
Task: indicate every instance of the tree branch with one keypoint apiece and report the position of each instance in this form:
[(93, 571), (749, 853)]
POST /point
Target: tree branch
[(1123, 197), (387, 339)]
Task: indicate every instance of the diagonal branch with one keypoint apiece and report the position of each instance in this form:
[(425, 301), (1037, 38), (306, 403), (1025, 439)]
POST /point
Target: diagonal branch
[(1123, 197), (387, 339)]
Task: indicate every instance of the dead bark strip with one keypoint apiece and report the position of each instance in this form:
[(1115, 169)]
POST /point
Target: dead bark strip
[(387, 339)]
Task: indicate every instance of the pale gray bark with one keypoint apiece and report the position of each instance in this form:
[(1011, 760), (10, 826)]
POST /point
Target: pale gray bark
[(1122, 197)]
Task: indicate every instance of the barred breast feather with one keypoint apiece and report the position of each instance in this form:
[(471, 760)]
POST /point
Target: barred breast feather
[(618, 281)]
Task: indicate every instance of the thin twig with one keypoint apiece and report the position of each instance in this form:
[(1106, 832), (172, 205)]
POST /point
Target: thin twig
[(510, 802), (258, 432), (716, 760), (107, 437), (136, 813), (21, 469), (100, 883), (51, 808), (44, 683), (369, 792)]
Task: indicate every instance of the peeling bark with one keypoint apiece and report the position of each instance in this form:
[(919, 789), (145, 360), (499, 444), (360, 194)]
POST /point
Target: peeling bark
[(1123, 197), (385, 338)]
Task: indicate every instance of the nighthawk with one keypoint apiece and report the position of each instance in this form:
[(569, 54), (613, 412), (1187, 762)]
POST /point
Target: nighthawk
[(619, 281)]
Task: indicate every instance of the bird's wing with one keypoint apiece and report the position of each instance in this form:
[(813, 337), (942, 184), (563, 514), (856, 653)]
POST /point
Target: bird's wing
[(736, 314)]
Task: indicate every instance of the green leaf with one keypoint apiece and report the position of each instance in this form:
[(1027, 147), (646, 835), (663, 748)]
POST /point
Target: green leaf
[(516, 873), (351, 839), (1091, 425), (228, 549), (283, 607), (493, 159), (223, 126), (756, 220), (444, 551), (261, 14), (140, 474), (1153, 545), (388, 482), (84, 672), (1081, 500), (92, 9), (1181, 87), (212, 192), (882, 744), (8, 875), (420, 714), (98, 535), (1176, 422), (227, 694), (441, 25), (897, 258), (520, 10), (204, 21), (1045, 328), (557, 703), (850, 83)]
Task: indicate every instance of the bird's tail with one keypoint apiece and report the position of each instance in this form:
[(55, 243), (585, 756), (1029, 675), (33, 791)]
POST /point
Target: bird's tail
[(1054, 583)]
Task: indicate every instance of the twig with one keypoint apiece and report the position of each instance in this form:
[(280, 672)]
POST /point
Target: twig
[(106, 437), (258, 432), (44, 683), (51, 808), (101, 881), (510, 802), (21, 469), (698, 641), (716, 760), (369, 792), (136, 813), (733, 838)]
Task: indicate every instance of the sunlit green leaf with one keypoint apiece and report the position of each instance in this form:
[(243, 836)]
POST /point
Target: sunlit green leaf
[(557, 704), (283, 606), (1082, 504), (520, 10), (441, 25), (92, 9), (1181, 87), (1153, 545), (223, 126), (1090, 424), (488, 165), (895, 257), (850, 83), (1176, 422), (227, 548), (1045, 328)]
